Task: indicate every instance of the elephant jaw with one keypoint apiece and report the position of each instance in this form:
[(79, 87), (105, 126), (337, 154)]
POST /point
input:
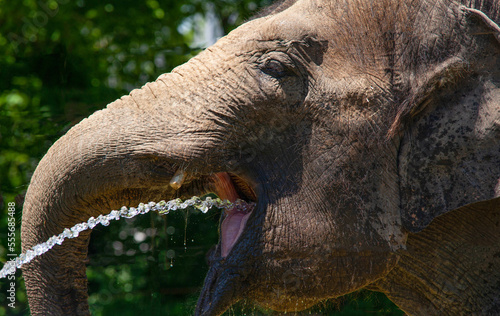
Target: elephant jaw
[(235, 218)]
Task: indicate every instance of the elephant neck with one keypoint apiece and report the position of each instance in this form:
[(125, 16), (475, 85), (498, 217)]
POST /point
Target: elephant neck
[(452, 266)]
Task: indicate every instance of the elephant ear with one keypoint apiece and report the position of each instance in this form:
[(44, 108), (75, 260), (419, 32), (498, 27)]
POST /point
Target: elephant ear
[(450, 149)]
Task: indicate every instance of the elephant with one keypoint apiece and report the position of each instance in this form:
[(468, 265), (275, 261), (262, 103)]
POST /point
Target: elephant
[(364, 135)]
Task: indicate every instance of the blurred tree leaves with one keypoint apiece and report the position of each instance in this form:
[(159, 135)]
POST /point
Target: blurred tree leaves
[(61, 60)]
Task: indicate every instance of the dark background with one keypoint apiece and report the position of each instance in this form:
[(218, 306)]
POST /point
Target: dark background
[(61, 60)]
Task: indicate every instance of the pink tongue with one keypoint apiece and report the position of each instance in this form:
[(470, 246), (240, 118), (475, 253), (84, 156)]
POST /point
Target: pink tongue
[(233, 224), (231, 228)]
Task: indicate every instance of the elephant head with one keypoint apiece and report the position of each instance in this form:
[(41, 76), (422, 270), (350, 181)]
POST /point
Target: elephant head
[(366, 134)]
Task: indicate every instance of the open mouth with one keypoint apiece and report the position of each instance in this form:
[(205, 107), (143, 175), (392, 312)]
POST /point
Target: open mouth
[(231, 187), (227, 186)]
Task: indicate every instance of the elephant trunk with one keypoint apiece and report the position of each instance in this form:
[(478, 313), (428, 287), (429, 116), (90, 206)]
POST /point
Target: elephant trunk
[(121, 155)]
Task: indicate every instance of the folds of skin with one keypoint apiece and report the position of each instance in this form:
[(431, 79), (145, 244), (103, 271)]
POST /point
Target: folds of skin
[(359, 121)]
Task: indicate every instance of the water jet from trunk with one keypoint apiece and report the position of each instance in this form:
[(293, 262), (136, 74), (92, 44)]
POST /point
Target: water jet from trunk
[(161, 207)]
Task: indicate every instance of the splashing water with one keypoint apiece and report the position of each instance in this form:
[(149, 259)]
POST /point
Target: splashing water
[(161, 207)]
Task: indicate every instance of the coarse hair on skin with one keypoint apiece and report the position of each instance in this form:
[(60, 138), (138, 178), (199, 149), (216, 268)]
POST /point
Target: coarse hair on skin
[(419, 42), (385, 39), (276, 7), (407, 44), (404, 43), (436, 55)]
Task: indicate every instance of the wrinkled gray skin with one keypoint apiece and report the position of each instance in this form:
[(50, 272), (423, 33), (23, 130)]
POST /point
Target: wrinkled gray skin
[(357, 123)]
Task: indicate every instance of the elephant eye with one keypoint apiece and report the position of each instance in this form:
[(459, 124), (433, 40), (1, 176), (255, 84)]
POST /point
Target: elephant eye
[(275, 68), (277, 65)]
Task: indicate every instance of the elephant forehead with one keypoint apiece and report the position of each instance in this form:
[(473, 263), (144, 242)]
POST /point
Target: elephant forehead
[(297, 22)]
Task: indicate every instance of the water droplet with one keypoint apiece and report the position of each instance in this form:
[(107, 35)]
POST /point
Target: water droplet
[(186, 215), (170, 230), (91, 222), (178, 179), (67, 233), (170, 253), (139, 236)]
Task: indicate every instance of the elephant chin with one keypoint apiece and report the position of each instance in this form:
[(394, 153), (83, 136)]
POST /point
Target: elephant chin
[(285, 300), (285, 304)]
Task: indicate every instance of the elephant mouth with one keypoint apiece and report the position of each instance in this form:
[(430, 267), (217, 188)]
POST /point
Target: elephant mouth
[(236, 189)]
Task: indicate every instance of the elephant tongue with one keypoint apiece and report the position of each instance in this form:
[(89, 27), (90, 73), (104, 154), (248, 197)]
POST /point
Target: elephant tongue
[(236, 217), (231, 228)]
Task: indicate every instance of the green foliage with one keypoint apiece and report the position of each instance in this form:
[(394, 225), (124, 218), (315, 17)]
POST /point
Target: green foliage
[(60, 61)]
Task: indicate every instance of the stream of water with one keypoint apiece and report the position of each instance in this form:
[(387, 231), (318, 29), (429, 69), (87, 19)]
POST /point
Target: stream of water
[(161, 207)]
